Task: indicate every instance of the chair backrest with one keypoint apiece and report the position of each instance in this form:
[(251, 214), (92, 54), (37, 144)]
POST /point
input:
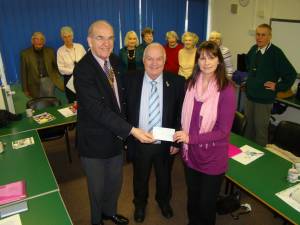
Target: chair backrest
[(239, 123), (287, 136), (43, 102)]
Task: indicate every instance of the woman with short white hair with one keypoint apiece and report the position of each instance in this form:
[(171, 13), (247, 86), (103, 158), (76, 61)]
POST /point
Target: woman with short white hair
[(67, 56), (172, 48), (217, 38)]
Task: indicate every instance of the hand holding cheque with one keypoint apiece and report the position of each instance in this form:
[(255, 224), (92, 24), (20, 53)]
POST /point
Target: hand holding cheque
[(160, 134), (181, 136), (168, 134)]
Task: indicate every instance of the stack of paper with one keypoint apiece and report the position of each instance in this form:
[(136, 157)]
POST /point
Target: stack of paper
[(13, 209), (13, 220), (12, 192), (248, 155), (291, 196), (68, 111)]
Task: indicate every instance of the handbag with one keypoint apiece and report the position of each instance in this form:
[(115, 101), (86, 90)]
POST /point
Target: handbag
[(228, 204)]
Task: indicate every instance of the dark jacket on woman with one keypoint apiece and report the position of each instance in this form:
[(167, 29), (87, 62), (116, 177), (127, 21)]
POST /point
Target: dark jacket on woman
[(124, 59)]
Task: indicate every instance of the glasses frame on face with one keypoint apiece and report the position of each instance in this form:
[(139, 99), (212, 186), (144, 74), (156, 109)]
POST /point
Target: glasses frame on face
[(100, 38)]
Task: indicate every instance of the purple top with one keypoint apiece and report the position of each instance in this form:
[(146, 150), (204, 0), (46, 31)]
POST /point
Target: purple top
[(208, 152)]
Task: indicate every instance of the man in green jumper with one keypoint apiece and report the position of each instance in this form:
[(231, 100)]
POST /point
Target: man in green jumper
[(269, 72)]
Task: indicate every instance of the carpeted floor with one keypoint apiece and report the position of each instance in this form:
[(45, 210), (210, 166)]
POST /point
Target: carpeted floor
[(74, 192)]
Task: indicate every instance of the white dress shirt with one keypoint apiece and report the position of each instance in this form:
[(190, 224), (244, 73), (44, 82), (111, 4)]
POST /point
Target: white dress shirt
[(101, 63), (144, 105), (66, 58)]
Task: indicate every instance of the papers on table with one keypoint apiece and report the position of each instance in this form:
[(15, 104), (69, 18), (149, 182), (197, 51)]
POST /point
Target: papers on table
[(248, 155), (43, 118), (22, 143), (291, 196), (163, 134), (13, 220), (12, 192), (68, 111)]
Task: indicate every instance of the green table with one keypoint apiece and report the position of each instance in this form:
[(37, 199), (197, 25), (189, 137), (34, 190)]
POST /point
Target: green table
[(263, 178), (46, 210), (29, 163), (29, 124)]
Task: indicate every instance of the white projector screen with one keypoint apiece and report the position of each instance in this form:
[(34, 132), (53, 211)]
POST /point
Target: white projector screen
[(286, 35)]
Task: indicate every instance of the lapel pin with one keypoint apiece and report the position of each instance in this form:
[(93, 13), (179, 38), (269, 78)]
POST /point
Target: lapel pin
[(167, 83)]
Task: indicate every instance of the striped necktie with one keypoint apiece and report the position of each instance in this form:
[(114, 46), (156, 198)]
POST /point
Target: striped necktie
[(154, 109)]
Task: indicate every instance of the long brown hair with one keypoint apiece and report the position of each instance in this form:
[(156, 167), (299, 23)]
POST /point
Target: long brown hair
[(212, 49)]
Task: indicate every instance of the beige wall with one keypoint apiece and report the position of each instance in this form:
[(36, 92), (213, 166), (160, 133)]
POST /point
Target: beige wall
[(238, 29)]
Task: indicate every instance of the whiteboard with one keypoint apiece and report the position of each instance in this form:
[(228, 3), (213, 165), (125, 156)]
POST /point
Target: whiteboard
[(286, 35)]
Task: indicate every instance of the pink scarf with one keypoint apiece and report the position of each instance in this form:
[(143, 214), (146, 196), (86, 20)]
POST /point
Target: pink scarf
[(209, 109)]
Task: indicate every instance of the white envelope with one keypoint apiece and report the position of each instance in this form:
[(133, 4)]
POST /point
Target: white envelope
[(163, 134)]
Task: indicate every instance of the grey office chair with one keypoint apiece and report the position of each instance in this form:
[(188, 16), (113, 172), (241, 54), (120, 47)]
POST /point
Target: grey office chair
[(52, 133), (239, 123)]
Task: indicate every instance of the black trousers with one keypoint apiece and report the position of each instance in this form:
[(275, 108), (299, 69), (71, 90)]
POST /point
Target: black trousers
[(71, 97), (144, 157), (104, 179), (203, 190)]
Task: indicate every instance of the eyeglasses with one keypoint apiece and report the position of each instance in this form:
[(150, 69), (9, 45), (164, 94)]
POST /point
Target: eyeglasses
[(102, 39)]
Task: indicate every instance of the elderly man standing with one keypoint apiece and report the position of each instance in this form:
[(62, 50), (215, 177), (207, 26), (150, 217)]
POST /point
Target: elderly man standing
[(269, 72), (39, 73), (101, 126), (154, 99)]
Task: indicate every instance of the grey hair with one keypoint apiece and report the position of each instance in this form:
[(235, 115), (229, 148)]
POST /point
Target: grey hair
[(172, 34), (155, 44), (96, 23), (38, 34), (66, 30)]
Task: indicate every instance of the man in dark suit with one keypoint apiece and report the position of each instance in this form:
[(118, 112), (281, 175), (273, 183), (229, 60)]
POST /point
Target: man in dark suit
[(154, 99), (101, 126), (39, 72)]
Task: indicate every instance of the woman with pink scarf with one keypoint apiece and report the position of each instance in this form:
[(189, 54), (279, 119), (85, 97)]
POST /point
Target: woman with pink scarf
[(207, 116)]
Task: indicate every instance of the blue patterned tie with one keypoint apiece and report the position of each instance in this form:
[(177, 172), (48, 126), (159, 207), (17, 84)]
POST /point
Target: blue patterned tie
[(154, 109)]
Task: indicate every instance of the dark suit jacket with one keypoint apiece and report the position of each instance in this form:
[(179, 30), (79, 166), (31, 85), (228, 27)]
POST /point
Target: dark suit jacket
[(173, 95), (101, 124), (123, 54), (30, 76)]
